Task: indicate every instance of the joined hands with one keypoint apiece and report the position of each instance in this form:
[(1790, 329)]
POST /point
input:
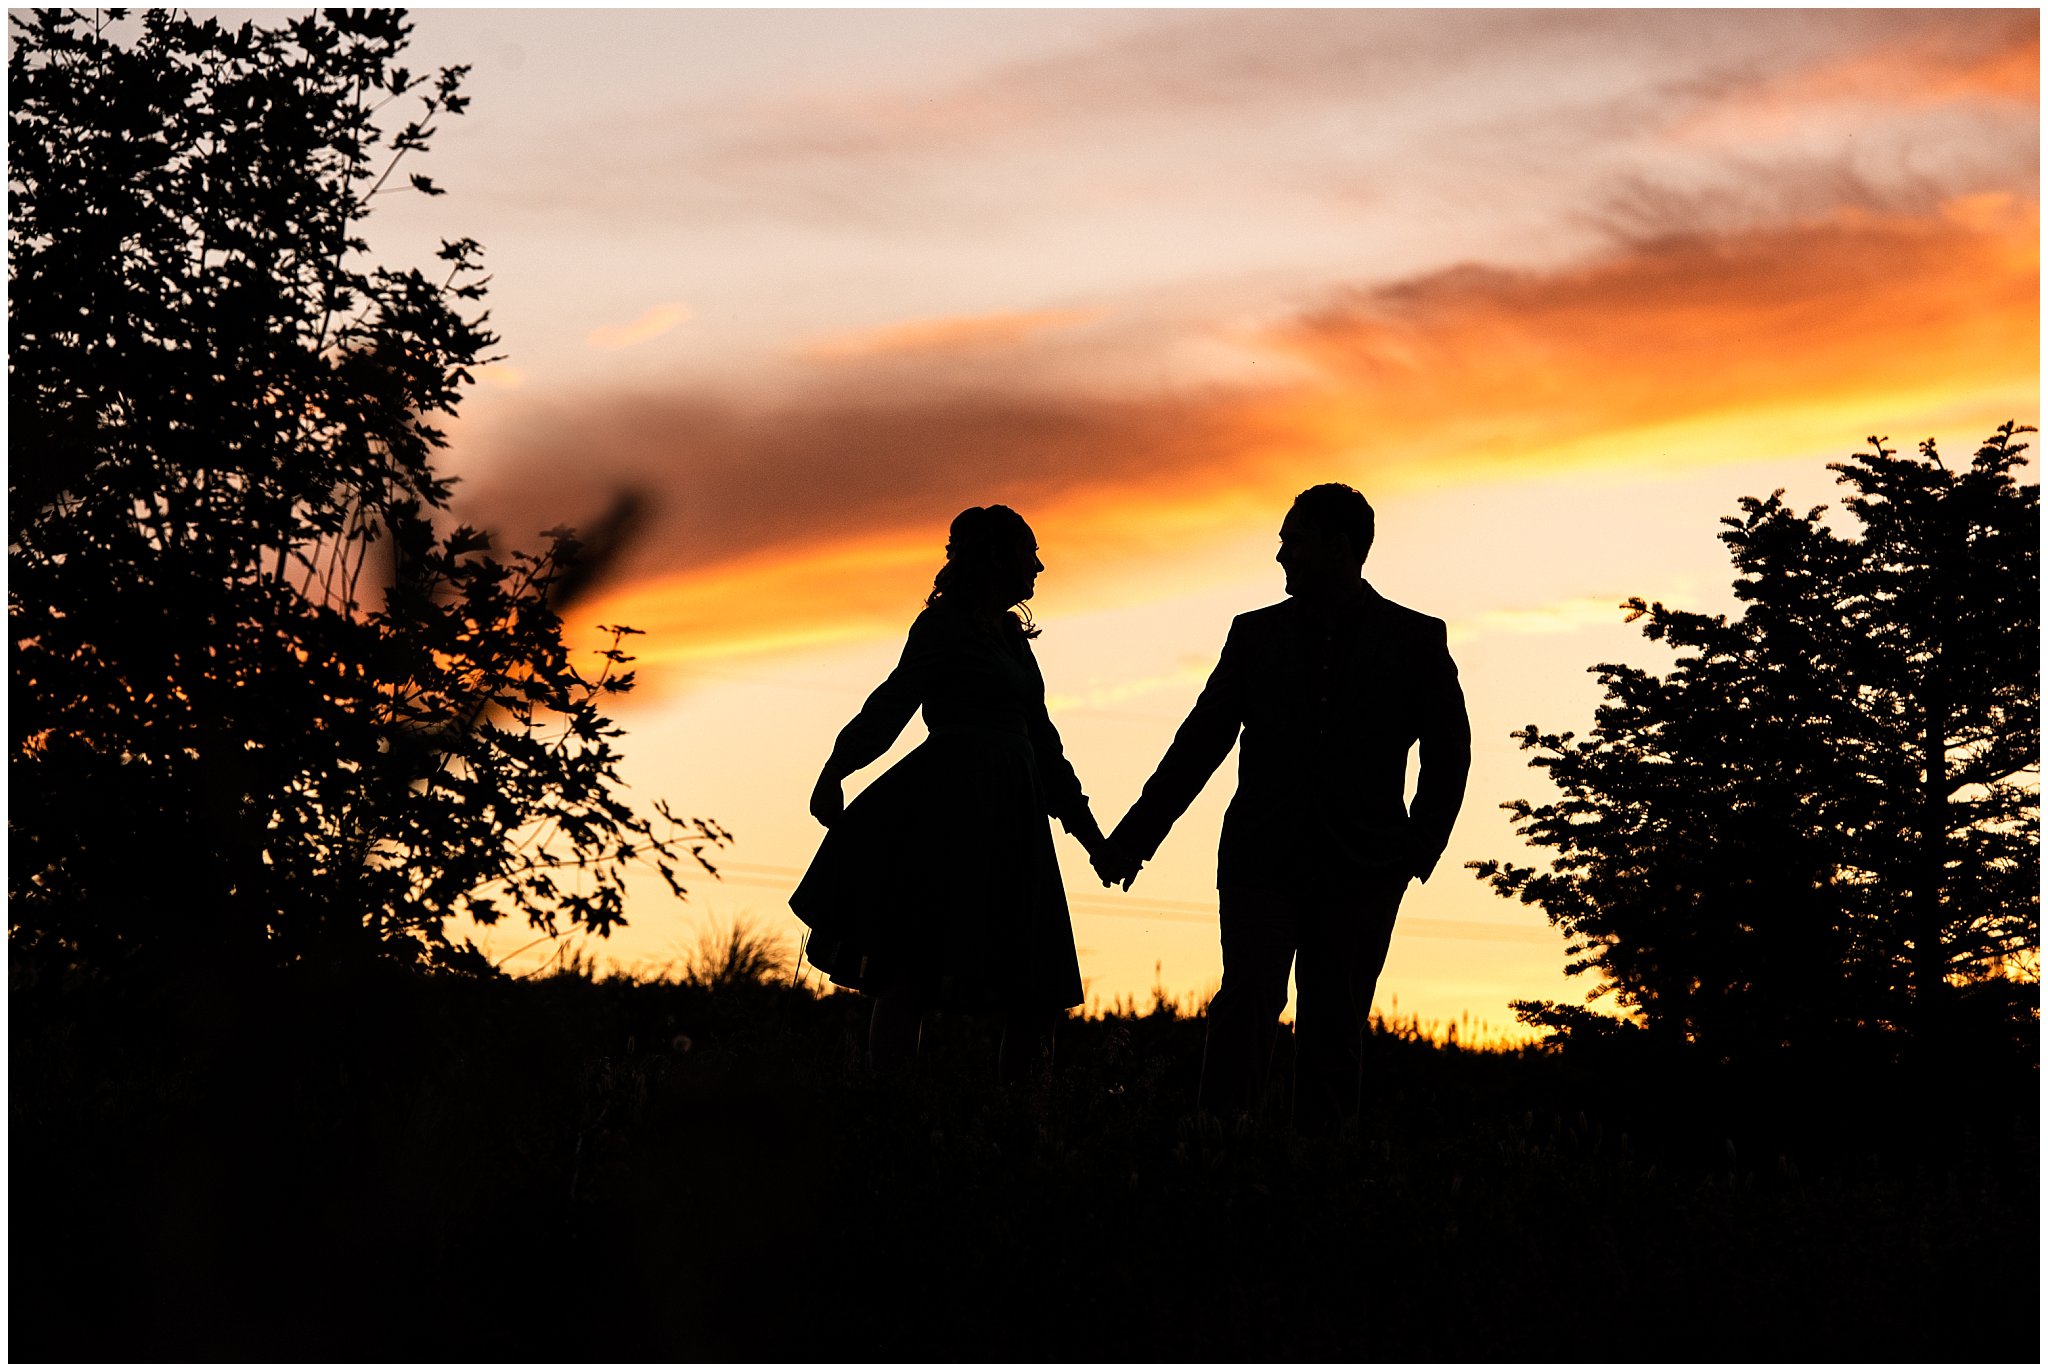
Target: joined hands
[(1114, 864)]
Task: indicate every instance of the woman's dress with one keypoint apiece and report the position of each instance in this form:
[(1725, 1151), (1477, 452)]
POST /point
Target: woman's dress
[(940, 878)]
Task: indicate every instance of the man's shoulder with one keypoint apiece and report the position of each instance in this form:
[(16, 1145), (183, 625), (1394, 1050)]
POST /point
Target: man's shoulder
[(1265, 624), (1265, 615), (1382, 614), (1400, 618)]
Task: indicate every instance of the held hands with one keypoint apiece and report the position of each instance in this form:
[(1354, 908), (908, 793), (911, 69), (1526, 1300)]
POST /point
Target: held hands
[(1110, 859), (827, 801), (1114, 863)]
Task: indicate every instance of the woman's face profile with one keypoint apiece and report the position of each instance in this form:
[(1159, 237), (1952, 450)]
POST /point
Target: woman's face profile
[(1025, 566)]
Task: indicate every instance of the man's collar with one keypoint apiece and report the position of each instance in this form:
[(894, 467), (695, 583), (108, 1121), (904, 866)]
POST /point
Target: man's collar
[(1353, 598)]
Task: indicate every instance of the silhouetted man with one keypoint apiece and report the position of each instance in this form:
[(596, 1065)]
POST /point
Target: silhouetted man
[(1330, 689)]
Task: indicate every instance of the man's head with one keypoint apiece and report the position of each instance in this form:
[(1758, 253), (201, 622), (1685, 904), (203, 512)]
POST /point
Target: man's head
[(1324, 539)]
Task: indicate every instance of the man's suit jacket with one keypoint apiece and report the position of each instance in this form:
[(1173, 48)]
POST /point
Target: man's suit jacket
[(1329, 699)]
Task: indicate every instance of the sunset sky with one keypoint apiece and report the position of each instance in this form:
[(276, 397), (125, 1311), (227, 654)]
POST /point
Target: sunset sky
[(1553, 288)]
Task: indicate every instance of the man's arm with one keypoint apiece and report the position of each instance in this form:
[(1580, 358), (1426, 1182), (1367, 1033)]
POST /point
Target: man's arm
[(1444, 755), (1204, 739)]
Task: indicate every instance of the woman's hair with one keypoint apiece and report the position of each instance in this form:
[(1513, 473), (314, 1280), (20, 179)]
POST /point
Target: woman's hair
[(981, 553)]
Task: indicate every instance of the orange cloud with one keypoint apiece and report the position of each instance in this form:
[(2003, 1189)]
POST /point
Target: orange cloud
[(1696, 349), (846, 586), (958, 333), (2007, 72), (657, 321), (724, 482), (781, 527), (771, 602)]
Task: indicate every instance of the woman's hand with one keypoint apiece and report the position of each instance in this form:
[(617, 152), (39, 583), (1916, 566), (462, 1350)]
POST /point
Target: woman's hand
[(827, 801)]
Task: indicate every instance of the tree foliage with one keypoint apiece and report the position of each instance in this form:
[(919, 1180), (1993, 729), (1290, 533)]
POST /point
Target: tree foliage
[(1823, 820), (259, 701)]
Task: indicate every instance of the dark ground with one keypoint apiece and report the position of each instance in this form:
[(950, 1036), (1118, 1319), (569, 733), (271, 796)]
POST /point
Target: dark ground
[(389, 1166)]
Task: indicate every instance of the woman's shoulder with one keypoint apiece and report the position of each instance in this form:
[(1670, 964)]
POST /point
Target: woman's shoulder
[(943, 624), (934, 619), (937, 624)]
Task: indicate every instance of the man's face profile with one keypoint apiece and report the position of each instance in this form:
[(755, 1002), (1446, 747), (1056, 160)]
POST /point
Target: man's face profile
[(1317, 560)]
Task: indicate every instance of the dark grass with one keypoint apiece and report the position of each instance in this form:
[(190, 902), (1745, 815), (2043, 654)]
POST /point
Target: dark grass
[(387, 1166)]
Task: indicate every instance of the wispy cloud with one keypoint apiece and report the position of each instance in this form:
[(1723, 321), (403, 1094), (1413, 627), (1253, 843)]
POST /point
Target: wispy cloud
[(655, 322), (1106, 697), (951, 334), (501, 376), (1987, 59), (1232, 65), (1554, 617)]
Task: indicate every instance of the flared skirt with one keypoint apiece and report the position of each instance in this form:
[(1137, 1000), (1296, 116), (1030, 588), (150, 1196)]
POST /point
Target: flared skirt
[(940, 879)]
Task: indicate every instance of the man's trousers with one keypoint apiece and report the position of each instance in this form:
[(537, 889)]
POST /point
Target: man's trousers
[(1336, 943)]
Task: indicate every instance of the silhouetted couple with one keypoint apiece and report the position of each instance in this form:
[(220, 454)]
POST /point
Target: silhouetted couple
[(938, 886)]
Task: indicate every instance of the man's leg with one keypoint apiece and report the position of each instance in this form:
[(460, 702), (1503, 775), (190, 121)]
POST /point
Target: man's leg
[(1344, 940), (1258, 930), (1026, 1047)]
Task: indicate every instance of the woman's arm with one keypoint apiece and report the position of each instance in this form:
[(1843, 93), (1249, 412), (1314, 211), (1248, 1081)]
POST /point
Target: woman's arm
[(874, 730), (1058, 782)]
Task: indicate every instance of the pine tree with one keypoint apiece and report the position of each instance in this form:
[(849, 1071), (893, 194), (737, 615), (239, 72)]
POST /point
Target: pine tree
[(1824, 819)]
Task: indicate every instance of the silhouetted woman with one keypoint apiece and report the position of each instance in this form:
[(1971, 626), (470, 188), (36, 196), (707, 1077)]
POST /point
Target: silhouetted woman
[(938, 886)]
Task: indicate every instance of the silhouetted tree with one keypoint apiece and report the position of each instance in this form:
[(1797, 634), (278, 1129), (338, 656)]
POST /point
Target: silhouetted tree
[(1824, 819), (224, 737)]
